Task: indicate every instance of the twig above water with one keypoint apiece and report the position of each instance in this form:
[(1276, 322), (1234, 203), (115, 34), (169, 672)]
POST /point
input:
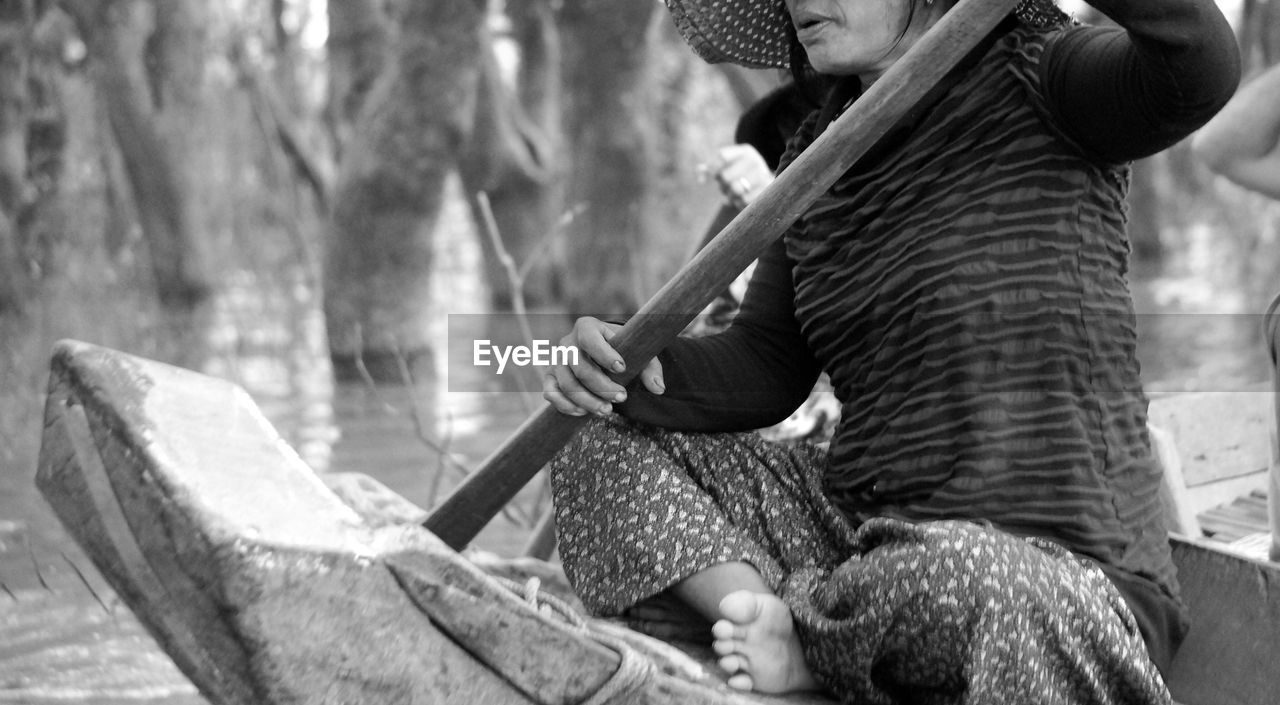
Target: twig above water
[(35, 564), (87, 585), (514, 276), (446, 457)]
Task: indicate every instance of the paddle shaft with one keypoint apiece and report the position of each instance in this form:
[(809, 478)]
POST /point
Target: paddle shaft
[(483, 494)]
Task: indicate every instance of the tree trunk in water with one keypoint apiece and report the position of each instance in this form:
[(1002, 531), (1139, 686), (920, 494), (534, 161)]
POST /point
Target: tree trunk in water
[(609, 93), (16, 22), (1259, 34), (391, 187), (147, 59), (359, 35), (1271, 33), (516, 157), (1144, 211)]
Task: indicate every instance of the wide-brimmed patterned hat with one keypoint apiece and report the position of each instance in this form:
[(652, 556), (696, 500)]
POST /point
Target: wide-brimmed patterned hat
[(753, 33)]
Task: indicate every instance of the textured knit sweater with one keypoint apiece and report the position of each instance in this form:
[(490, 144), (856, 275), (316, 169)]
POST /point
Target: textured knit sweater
[(964, 287)]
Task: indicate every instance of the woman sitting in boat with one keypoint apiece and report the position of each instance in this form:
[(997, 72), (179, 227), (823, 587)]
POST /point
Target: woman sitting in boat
[(985, 525)]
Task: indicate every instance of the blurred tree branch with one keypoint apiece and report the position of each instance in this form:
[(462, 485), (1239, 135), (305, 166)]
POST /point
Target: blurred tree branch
[(309, 166)]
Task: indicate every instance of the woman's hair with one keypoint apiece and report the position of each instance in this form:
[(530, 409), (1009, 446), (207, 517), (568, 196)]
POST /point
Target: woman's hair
[(812, 85)]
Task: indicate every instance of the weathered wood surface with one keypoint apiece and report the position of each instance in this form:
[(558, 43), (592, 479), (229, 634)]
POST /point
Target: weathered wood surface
[(1240, 518), (510, 467), (537, 652), (1214, 448), (263, 586), (1232, 653), (259, 583), (1219, 435)]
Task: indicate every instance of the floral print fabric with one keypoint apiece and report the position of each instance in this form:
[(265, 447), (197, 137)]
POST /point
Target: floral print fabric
[(888, 612)]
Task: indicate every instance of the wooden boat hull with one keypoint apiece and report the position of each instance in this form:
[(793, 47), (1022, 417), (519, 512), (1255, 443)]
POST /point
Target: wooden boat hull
[(264, 587), (1232, 652), (251, 603)]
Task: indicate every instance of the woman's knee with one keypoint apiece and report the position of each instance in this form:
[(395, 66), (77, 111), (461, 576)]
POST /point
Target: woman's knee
[(613, 464), (596, 447)]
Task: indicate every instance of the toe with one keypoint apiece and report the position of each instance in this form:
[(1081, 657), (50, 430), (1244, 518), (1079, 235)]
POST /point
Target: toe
[(741, 607), (725, 630), (741, 681), (733, 663)]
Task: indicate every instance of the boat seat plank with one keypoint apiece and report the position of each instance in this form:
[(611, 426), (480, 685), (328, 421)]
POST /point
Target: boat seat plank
[(1214, 447)]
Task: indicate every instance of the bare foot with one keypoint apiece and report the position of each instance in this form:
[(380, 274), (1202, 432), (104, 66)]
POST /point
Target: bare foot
[(758, 646)]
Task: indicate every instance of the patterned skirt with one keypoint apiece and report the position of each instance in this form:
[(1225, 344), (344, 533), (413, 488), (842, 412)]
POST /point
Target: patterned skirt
[(887, 612)]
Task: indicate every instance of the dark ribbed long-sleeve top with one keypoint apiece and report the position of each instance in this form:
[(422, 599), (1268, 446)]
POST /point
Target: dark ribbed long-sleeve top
[(964, 287)]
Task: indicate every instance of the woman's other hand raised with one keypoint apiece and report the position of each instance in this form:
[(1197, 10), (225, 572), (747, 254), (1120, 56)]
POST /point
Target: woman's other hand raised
[(741, 173)]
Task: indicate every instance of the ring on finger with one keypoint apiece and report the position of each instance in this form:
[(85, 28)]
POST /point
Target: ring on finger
[(742, 186)]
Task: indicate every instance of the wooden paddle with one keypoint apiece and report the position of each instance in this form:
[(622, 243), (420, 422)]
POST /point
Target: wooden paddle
[(482, 495)]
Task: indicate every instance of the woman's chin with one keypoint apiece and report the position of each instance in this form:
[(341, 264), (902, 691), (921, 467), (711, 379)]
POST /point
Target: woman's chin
[(833, 65)]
